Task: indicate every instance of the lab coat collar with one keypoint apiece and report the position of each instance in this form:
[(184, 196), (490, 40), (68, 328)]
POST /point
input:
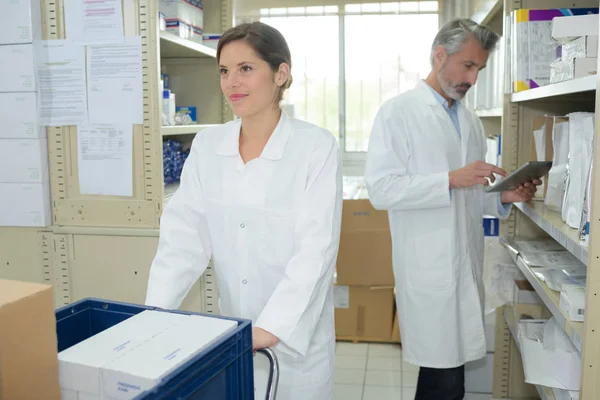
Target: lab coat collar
[(428, 95), (275, 147)]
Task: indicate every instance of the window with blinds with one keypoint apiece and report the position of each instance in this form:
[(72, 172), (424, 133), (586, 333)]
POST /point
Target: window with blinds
[(347, 60)]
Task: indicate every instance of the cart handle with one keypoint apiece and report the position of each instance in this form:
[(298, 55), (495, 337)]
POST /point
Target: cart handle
[(273, 373)]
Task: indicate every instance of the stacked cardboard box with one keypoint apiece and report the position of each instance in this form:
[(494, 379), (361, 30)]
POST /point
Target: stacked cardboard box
[(28, 344), (364, 291)]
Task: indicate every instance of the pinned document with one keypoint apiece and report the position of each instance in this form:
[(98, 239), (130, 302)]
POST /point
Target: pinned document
[(105, 156), (114, 77), (94, 22), (61, 76)]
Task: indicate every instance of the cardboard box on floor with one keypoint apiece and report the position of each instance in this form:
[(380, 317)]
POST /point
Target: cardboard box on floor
[(363, 312), (365, 254), (396, 330), (28, 344)]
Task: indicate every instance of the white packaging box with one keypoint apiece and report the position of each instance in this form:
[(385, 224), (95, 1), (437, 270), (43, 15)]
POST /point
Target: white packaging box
[(175, 9), (547, 367), (18, 113), (18, 68), (25, 204), (143, 368), (80, 365), (20, 22), (585, 67), (571, 27), (24, 161), (525, 294), (572, 302)]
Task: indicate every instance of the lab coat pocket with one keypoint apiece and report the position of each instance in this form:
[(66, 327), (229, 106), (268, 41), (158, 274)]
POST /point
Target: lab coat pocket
[(431, 265), (277, 238)]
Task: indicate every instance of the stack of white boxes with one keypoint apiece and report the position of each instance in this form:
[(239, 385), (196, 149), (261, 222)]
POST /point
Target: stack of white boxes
[(184, 18), (134, 356), (579, 37), (24, 177)]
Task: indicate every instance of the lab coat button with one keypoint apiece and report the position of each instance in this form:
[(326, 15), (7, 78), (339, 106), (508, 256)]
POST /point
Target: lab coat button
[(242, 226), (244, 281)]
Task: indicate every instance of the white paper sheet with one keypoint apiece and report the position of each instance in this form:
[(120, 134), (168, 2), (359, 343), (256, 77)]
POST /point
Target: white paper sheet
[(500, 284), (61, 76), (114, 74), (105, 156), (94, 22), (341, 296)]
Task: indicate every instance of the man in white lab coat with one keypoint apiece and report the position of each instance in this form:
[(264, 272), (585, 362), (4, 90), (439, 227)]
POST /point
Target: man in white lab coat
[(425, 167)]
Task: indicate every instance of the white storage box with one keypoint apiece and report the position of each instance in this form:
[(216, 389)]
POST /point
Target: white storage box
[(20, 21), (524, 293), (572, 301), (144, 367), (18, 68), (18, 113), (574, 26), (24, 160), (79, 366), (25, 204), (585, 67)]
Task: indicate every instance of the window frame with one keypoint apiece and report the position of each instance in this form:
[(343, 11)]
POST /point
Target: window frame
[(353, 160)]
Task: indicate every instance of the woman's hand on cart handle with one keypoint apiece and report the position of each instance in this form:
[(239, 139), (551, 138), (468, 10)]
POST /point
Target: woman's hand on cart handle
[(262, 339)]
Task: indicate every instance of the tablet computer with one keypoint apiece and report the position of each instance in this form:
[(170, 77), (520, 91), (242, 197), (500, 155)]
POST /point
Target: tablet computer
[(526, 173)]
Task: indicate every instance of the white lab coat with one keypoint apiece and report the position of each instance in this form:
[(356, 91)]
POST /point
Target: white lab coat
[(437, 234), (272, 229)]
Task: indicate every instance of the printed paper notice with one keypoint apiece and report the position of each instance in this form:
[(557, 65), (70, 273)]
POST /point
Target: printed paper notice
[(105, 159), (114, 74), (341, 296), (61, 76), (94, 22)]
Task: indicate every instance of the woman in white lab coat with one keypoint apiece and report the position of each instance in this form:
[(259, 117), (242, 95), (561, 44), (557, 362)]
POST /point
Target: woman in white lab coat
[(262, 197)]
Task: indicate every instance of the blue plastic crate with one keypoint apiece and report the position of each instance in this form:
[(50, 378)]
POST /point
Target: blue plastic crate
[(224, 371)]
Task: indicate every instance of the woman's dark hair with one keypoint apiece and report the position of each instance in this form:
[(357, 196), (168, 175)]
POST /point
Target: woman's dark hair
[(267, 42)]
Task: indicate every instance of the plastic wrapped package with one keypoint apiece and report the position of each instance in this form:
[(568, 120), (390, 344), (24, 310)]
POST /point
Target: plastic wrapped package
[(561, 71), (173, 160), (555, 278), (551, 259), (581, 134), (557, 176)]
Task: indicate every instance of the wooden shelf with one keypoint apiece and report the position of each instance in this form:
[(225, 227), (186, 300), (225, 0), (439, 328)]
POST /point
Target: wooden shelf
[(551, 300), (172, 46), (182, 129), (551, 222), (579, 85), (489, 113)]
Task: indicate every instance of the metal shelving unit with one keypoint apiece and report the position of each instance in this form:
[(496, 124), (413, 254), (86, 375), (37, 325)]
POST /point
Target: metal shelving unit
[(551, 300), (183, 129), (172, 46), (493, 112), (535, 220), (552, 223), (544, 392), (573, 86)]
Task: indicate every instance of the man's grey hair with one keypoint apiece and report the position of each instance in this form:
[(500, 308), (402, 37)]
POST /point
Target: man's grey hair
[(455, 33)]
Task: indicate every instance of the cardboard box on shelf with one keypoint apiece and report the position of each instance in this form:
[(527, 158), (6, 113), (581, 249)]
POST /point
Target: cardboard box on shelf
[(364, 312), (585, 67), (574, 26), (28, 344), (524, 293), (365, 254)]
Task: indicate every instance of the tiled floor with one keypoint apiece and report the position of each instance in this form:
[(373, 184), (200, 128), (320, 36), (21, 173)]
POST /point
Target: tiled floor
[(375, 372)]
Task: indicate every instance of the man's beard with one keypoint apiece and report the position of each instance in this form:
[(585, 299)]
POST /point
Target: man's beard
[(455, 92)]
